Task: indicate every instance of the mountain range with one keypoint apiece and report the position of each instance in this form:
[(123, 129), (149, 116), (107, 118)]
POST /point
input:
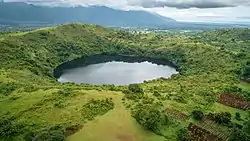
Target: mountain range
[(18, 12)]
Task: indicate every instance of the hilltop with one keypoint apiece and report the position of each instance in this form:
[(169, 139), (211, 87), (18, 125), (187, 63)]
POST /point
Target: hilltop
[(34, 106)]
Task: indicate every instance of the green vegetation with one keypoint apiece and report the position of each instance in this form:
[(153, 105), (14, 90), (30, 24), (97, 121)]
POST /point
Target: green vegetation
[(198, 115), (221, 118), (32, 102), (7, 88), (150, 117), (183, 135), (96, 107), (135, 88), (246, 72), (241, 134)]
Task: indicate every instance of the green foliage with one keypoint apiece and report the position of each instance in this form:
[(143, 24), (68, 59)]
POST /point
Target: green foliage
[(96, 108), (30, 88), (60, 104), (135, 88), (221, 118), (246, 72), (156, 94), (7, 88), (184, 135), (197, 115), (246, 127), (233, 89), (15, 96), (7, 128), (149, 116), (134, 92), (10, 129), (50, 136), (64, 92), (54, 133), (239, 135), (237, 116)]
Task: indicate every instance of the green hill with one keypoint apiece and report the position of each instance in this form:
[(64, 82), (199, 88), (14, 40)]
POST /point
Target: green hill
[(34, 106)]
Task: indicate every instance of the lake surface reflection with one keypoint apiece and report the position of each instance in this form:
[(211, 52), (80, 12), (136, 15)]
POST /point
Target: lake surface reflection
[(116, 72)]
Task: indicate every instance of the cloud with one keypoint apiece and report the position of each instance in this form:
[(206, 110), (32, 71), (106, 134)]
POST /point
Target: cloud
[(209, 15), (179, 4), (248, 18), (185, 4), (36, 1), (109, 3)]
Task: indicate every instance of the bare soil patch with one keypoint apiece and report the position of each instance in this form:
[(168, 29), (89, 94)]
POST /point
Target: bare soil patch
[(73, 129), (200, 134), (176, 114), (235, 101)]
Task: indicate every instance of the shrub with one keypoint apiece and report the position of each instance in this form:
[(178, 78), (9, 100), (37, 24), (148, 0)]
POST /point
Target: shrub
[(7, 88), (237, 116), (233, 89), (147, 100), (135, 88), (7, 128), (221, 118), (246, 72), (15, 97), (149, 116), (96, 107), (72, 129), (184, 135), (239, 135), (30, 89), (134, 92), (197, 115), (246, 127), (10, 129), (156, 94), (50, 136), (60, 104), (29, 136), (65, 92)]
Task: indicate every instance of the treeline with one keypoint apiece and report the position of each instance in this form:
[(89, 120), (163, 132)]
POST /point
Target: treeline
[(246, 72)]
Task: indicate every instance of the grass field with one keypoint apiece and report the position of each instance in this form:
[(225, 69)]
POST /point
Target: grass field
[(217, 107), (245, 85), (116, 125)]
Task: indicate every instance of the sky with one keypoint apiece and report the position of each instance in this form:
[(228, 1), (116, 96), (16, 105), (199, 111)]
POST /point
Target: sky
[(181, 10)]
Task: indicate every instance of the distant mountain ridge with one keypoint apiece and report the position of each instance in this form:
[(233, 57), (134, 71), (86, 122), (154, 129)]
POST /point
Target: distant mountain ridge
[(23, 12)]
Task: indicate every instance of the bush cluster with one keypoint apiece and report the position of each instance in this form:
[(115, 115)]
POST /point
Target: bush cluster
[(197, 115), (221, 118), (96, 108), (7, 88), (150, 116)]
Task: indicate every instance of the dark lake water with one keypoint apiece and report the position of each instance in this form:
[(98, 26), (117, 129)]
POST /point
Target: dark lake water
[(113, 69), (114, 72)]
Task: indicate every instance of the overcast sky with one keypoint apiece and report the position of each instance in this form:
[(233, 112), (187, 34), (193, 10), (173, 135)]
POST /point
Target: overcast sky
[(182, 10)]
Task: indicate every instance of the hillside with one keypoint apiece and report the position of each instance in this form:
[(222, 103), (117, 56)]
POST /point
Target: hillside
[(34, 106), (20, 13)]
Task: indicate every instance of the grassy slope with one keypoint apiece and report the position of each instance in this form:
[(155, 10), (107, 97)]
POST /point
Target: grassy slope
[(29, 59), (116, 125)]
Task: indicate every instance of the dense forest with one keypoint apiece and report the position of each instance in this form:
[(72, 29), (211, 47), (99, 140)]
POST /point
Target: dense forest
[(210, 95)]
